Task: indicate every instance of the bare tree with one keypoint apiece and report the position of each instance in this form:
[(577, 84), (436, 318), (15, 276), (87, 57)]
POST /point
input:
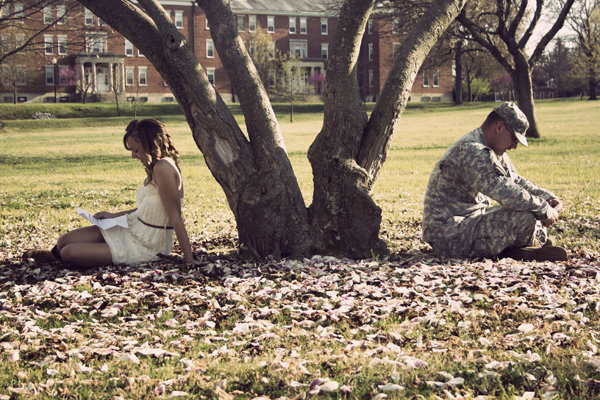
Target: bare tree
[(585, 22), (19, 38), (255, 171), (505, 28)]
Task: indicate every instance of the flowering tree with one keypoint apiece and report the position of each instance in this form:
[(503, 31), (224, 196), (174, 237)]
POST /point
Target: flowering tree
[(68, 76)]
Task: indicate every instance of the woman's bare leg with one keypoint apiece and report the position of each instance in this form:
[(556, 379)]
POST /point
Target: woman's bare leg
[(84, 247)]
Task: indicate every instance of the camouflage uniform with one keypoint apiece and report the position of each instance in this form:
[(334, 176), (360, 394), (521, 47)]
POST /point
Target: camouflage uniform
[(457, 217)]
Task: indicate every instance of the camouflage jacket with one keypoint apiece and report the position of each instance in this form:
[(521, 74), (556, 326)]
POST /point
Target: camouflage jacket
[(465, 180)]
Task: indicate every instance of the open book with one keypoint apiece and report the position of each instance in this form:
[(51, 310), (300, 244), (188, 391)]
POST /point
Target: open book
[(105, 223)]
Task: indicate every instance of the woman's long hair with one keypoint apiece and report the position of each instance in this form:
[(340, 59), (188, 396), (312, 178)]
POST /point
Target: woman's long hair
[(155, 141)]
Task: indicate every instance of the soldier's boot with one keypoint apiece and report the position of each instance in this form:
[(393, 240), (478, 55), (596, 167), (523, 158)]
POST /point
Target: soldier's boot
[(544, 253)]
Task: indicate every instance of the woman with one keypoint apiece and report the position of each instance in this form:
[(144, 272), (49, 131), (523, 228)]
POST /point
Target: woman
[(150, 225)]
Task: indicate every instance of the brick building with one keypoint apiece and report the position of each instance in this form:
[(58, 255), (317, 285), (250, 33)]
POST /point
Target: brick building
[(82, 45)]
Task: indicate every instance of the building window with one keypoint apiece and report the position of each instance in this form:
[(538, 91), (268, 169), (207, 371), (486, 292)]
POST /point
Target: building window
[(271, 24), (252, 23), (323, 26), (252, 47), (207, 26), (5, 45), (63, 75), (271, 78), (370, 46), (48, 15), (241, 23), (396, 25), (370, 26), (292, 24), (95, 43), (62, 45), (61, 13), (425, 79), (19, 12), (210, 49), (210, 74), (142, 76), (436, 78), (298, 48), (395, 49), (324, 51), (21, 77), (48, 45), (89, 17), (271, 50), (179, 19), (303, 30), (129, 76), (128, 48), (371, 78), (49, 74)]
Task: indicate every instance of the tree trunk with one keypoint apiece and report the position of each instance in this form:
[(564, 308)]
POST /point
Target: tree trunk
[(592, 83), (350, 150), (458, 73), (521, 76)]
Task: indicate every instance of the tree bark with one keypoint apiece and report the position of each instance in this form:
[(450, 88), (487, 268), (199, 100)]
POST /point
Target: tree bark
[(458, 73), (350, 150), (524, 90), (592, 82)]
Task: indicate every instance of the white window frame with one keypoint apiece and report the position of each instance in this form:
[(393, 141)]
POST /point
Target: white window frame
[(436, 78), (50, 78), (48, 18), (63, 80), (61, 41), (48, 44), (271, 50), (251, 23), (95, 40), (210, 74), (303, 26), (271, 24), (370, 26), (396, 25), (325, 51), (299, 46), (61, 14), (371, 77), (210, 48), (179, 19), (425, 79), (21, 75), (272, 78), (128, 48), (143, 75), (207, 27), (88, 17), (129, 76), (292, 25), (324, 26), (19, 15), (240, 21), (370, 51)]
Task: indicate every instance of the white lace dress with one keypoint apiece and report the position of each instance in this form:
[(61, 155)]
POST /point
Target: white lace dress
[(149, 232)]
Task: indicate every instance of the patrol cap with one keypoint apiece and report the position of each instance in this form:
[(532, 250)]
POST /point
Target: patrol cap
[(513, 116)]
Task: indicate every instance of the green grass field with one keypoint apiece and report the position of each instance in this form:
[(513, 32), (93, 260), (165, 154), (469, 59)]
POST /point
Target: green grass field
[(414, 327)]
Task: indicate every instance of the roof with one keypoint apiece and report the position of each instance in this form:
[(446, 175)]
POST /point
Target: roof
[(287, 7)]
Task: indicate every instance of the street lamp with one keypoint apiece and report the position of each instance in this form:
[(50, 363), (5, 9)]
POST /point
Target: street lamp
[(54, 64)]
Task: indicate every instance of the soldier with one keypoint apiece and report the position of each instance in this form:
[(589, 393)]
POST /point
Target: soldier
[(458, 219)]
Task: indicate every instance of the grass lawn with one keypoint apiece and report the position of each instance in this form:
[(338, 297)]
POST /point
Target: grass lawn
[(413, 325)]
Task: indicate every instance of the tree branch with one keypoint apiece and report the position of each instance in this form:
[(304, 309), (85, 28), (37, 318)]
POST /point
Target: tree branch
[(530, 28), (394, 95), (558, 24)]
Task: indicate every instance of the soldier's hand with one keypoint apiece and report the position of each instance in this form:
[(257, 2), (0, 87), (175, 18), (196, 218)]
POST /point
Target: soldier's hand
[(556, 203), (552, 217)]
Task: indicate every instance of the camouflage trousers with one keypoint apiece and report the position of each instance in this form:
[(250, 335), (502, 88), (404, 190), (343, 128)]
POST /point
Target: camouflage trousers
[(488, 234)]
